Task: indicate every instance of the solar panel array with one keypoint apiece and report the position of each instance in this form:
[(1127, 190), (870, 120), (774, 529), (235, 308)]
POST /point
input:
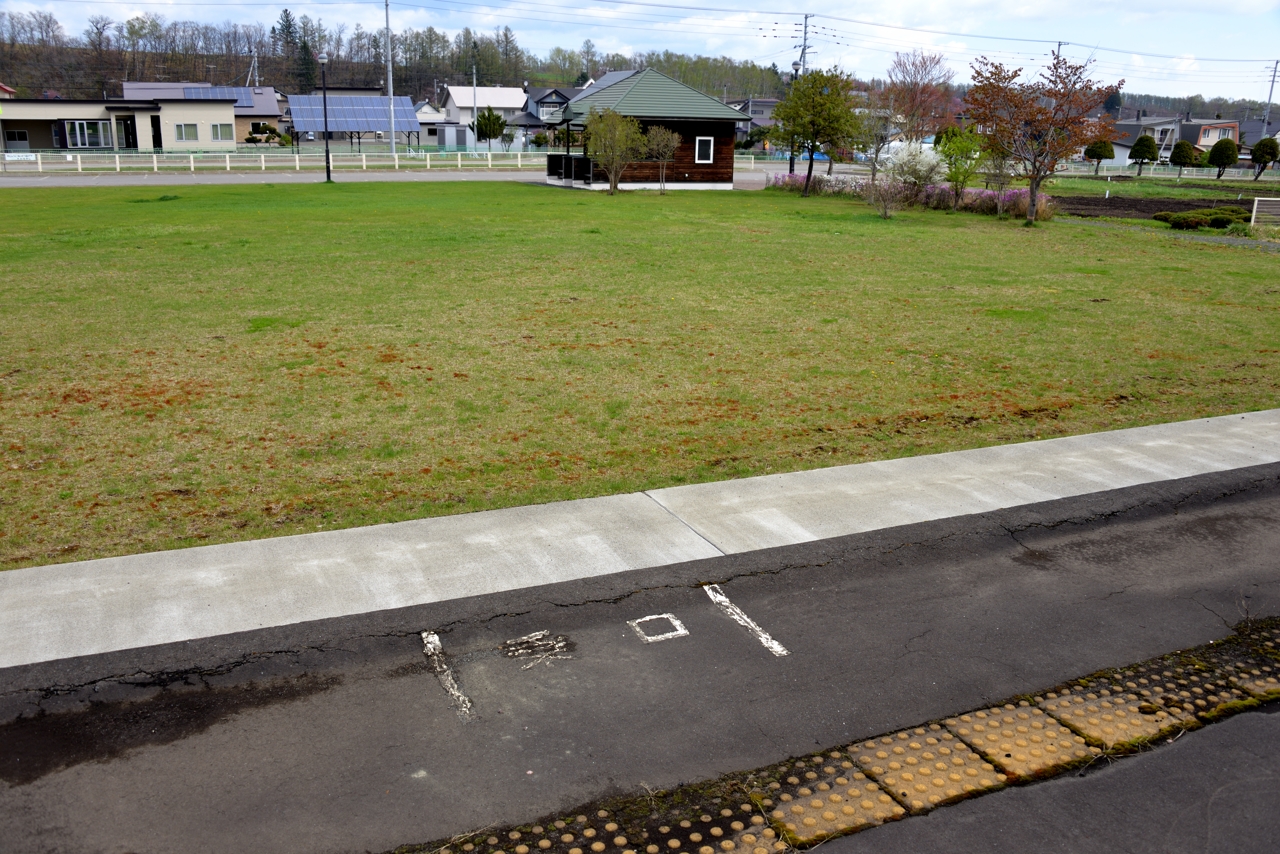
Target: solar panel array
[(242, 94), (352, 113)]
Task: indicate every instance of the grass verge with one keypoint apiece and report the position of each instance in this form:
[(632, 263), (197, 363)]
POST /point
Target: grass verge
[(252, 361)]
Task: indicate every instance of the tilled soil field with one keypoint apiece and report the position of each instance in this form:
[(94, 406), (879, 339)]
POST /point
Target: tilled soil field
[(1119, 206)]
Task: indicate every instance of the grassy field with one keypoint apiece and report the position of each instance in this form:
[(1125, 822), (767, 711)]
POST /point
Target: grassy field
[(250, 361), (1162, 188)]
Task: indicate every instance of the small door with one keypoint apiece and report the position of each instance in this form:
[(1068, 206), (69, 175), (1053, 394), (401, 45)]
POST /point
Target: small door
[(157, 141), (127, 132), (16, 140)]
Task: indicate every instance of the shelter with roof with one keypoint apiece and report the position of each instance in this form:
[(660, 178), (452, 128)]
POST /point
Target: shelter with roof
[(707, 128), (353, 117)]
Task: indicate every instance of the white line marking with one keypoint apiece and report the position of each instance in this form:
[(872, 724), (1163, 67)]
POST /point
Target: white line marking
[(678, 629), (736, 614), (434, 651)]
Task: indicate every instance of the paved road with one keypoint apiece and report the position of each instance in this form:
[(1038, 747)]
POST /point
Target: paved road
[(743, 179), (336, 735)]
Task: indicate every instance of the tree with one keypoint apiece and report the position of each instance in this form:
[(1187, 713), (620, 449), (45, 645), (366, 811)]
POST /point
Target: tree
[(960, 150), (1265, 152), (817, 111), (919, 84), (305, 68), (1098, 151), (1040, 121), (662, 143), (489, 126), (1144, 150), (614, 141), (873, 127), (1224, 155), (1183, 155), (1113, 104)]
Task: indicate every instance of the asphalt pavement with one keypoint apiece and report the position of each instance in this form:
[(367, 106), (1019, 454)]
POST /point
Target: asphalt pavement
[(342, 735)]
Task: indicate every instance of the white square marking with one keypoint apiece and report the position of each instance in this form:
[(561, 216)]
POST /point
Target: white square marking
[(678, 629)]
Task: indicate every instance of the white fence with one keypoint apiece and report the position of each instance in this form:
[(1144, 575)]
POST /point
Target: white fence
[(1265, 212), (262, 162), (1165, 171)]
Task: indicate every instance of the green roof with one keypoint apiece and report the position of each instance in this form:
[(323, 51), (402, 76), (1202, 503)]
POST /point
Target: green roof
[(650, 94)]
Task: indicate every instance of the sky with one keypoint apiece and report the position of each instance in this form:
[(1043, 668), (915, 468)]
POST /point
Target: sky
[(1178, 48)]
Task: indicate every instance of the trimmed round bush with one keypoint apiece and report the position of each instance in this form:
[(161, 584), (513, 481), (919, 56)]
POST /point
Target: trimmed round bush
[(1163, 216), (1188, 221), (1221, 221)]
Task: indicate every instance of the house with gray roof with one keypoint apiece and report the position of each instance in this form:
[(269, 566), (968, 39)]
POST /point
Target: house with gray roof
[(707, 128)]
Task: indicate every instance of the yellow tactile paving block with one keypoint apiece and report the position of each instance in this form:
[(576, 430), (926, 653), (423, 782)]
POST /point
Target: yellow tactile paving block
[(1021, 740), (926, 767), (1258, 676), (827, 796), (1115, 717), (714, 833)]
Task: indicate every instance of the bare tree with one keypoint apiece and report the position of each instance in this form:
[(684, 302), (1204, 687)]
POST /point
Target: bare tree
[(662, 143), (920, 87)]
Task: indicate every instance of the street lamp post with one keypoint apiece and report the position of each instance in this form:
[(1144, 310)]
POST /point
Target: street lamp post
[(324, 100), (795, 72)]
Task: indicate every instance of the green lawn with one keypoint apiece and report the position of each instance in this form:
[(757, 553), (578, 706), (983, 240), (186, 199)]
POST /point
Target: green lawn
[(252, 361), (1162, 187)]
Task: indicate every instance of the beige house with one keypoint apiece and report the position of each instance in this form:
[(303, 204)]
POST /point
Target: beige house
[(118, 125)]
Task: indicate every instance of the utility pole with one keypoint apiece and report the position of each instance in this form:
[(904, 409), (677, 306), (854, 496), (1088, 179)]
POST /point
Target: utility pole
[(804, 48), (1266, 115), (391, 101), (475, 106)]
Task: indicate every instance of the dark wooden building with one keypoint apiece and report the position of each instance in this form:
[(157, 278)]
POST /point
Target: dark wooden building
[(704, 160)]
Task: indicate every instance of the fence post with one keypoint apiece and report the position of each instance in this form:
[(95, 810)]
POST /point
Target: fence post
[(192, 159), (39, 164), (517, 160), (459, 159), (364, 160), (490, 157), (297, 165), (396, 159), (79, 165), (117, 162), (263, 159), (428, 161), (228, 162), (155, 162)]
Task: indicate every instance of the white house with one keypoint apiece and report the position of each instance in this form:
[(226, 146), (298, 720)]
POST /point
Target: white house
[(460, 105)]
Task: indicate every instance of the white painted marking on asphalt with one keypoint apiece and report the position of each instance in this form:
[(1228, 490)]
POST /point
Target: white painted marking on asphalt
[(434, 651), (736, 614), (539, 646), (677, 628)]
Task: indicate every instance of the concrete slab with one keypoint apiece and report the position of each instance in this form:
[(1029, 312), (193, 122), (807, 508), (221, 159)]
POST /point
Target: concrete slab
[(88, 607), (780, 510), (81, 608)]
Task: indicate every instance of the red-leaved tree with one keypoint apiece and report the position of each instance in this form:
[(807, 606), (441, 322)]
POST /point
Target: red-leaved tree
[(1041, 121)]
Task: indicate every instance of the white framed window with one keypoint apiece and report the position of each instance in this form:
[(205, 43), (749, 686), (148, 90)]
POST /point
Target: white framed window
[(88, 134), (703, 147), (186, 133), (222, 133)]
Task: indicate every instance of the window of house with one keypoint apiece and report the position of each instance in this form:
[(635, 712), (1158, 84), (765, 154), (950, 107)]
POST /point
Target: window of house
[(1226, 133), (186, 133), (88, 134), (258, 127), (15, 136), (757, 112), (222, 133), (702, 148)]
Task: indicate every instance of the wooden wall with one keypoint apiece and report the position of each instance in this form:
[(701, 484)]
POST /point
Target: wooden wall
[(683, 169)]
